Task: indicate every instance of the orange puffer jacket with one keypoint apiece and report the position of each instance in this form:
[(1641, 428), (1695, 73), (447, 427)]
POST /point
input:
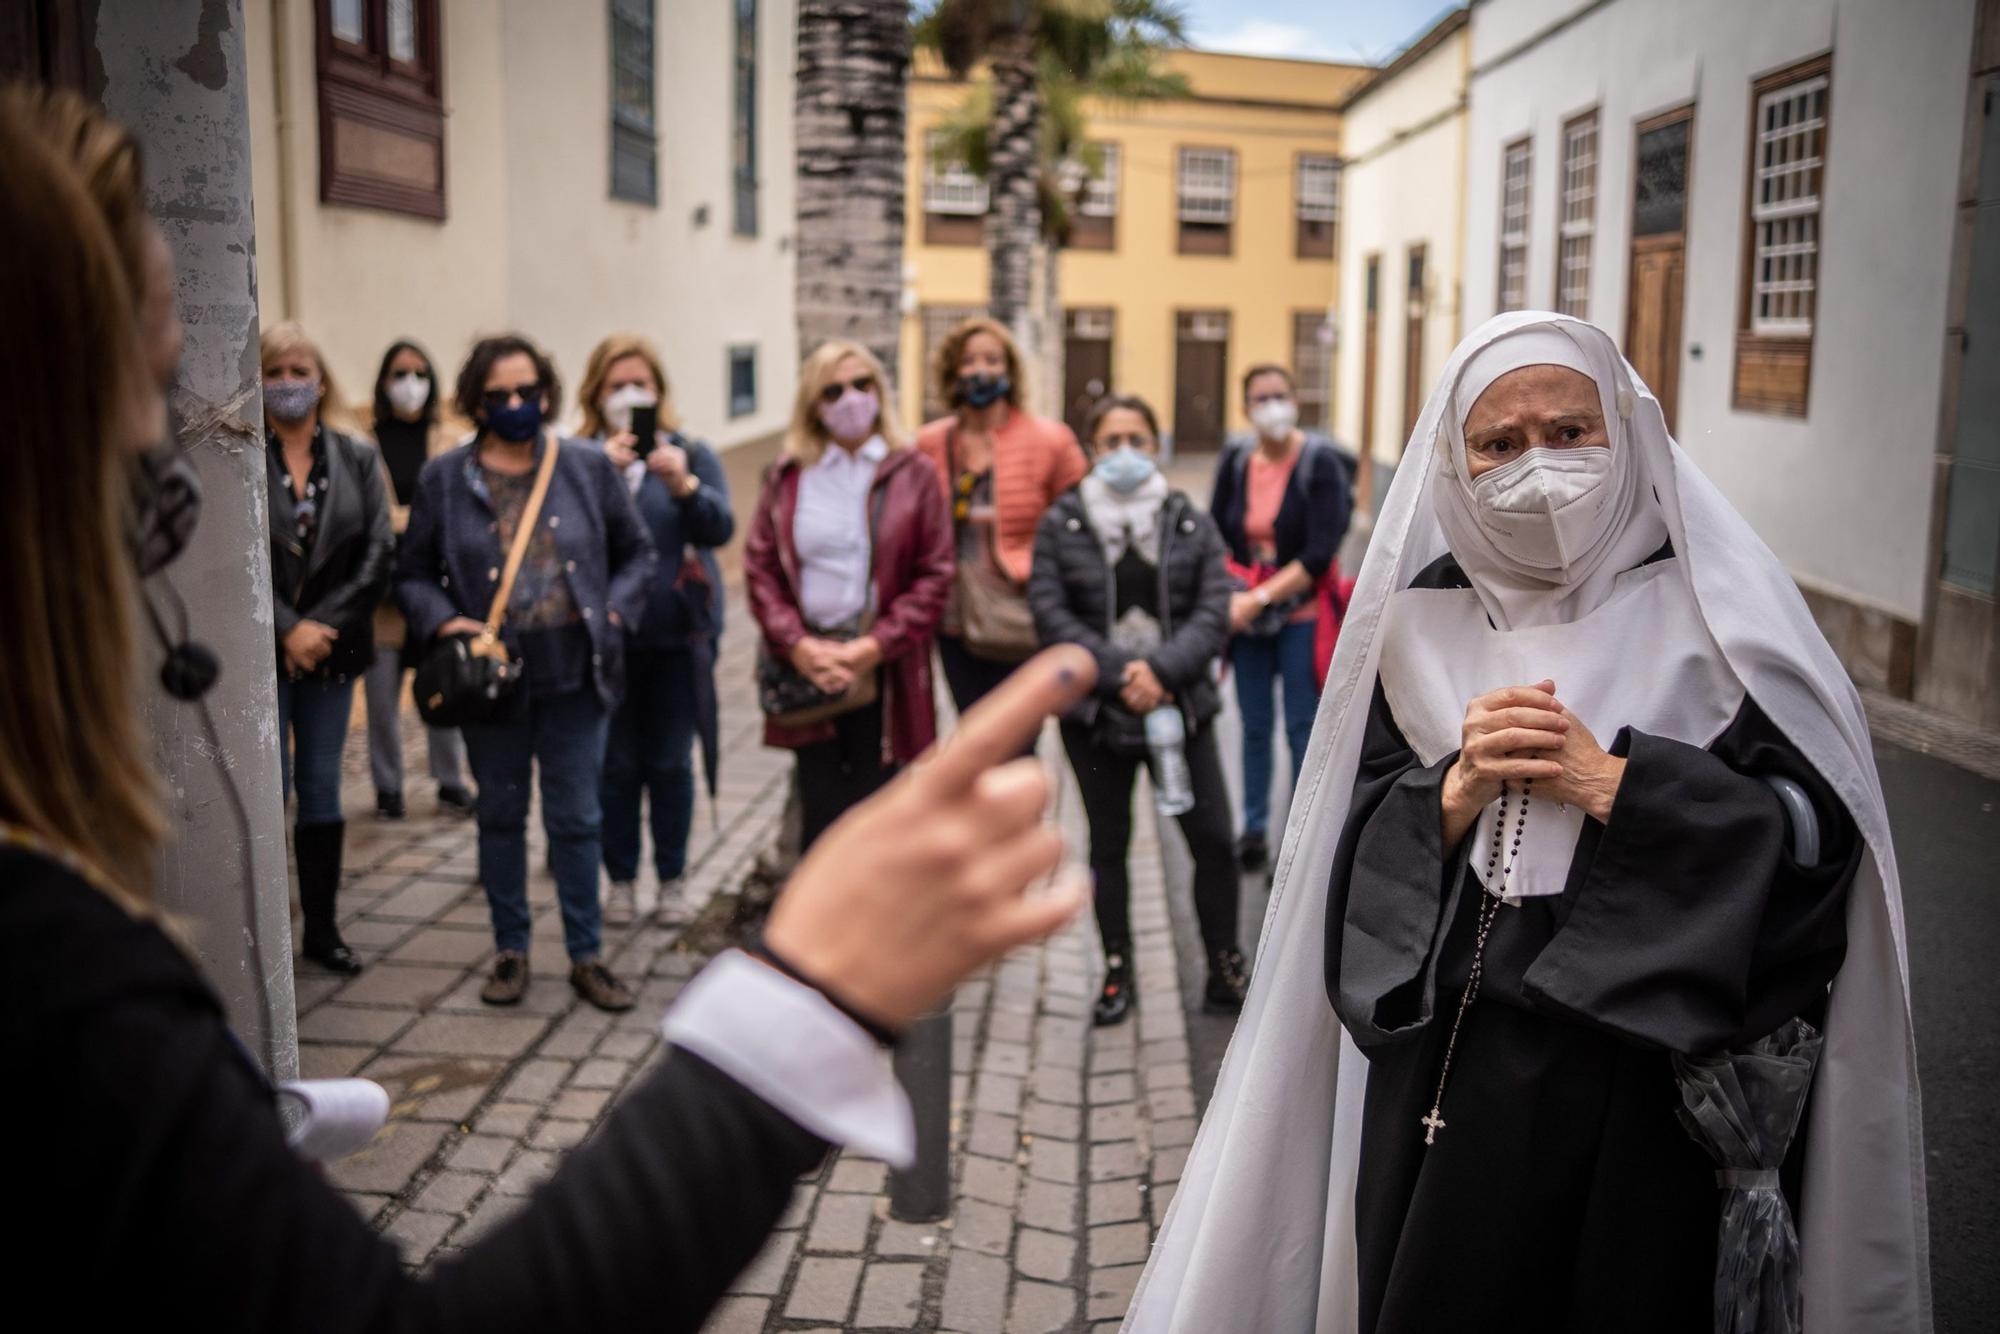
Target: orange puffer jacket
[(1034, 461)]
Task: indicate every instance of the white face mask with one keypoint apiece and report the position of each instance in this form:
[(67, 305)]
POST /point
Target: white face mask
[(1274, 418), (619, 403), (1548, 507), (408, 394)]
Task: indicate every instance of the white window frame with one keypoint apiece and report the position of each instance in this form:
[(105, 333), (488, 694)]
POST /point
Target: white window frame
[(1316, 185), (951, 187), (1514, 198), (1096, 193), (1787, 174), (1206, 185), (1577, 218)]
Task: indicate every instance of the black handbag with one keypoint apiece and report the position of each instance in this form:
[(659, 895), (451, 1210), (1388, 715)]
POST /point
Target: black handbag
[(470, 678)]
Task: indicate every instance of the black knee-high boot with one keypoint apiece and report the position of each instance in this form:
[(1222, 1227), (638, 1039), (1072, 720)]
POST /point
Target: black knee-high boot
[(318, 848)]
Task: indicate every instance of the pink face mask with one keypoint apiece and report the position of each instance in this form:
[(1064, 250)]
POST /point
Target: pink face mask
[(852, 415)]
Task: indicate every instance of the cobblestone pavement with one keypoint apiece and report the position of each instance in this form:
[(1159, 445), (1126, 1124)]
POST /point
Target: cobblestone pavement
[(1066, 1141)]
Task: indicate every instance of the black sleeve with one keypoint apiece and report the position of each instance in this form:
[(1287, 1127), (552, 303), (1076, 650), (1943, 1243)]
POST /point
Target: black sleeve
[(164, 1185), (1327, 503), (1198, 639), (1393, 890), (420, 563), (1055, 622), (706, 516), (1691, 924), (629, 556), (1225, 506)]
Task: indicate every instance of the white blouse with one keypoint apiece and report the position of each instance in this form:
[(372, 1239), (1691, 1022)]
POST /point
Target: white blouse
[(830, 532)]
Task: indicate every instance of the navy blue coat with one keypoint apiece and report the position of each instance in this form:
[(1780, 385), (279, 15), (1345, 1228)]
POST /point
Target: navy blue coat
[(680, 528), (450, 558), (1313, 516)]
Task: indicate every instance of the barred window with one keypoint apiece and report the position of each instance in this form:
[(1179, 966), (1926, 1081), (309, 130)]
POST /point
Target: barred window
[(1207, 185), (1100, 188), (1514, 175), (1579, 216), (949, 185), (1319, 189), (1784, 207), (634, 153), (1312, 367)]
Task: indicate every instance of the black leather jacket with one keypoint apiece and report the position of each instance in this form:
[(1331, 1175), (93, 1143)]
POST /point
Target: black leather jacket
[(342, 578)]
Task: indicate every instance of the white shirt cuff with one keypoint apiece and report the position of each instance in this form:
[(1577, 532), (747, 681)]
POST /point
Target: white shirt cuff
[(793, 1048)]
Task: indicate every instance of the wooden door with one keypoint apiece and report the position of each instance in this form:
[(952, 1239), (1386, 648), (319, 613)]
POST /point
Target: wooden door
[(1414, 383), (1086, 364), (1201, 378), (1660, 182)]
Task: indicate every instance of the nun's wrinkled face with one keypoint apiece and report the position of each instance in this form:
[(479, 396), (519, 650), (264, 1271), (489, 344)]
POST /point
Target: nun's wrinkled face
[(1535, 407)]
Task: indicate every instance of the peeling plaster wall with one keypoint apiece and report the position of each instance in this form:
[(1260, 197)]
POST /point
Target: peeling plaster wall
[(173, 71)]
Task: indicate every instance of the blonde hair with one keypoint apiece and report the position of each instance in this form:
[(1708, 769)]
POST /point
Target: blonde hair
[(74, 238), (597, 370), (288, 337), (944, 364), (806, 438)]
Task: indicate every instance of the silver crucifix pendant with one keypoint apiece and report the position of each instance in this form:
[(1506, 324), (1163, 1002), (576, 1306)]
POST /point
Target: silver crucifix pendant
[(1432, 1124)]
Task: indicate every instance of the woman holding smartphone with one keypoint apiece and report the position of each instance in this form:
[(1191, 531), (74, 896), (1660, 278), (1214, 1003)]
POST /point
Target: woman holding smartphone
[(683, 498)]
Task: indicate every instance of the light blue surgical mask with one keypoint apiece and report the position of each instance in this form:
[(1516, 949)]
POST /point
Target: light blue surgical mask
[(1125, 469)]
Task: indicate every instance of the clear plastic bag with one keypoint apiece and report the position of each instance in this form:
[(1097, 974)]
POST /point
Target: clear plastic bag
[(1743, 1106)]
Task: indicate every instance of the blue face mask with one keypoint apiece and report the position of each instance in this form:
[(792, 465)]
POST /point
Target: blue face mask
[(1125, 469), (983, 391), (516, 423)]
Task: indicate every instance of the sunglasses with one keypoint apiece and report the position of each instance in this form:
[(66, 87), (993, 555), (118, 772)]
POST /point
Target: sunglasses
[(832, 392), (500, 398)]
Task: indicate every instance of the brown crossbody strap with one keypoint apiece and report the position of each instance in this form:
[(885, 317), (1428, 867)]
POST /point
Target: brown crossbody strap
[(496, 615)]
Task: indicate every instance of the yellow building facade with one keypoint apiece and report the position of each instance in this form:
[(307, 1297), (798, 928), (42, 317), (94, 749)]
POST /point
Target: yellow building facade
[(1205, 244)]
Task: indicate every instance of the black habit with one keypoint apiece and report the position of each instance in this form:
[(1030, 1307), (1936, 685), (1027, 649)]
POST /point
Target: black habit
[(1562, 1193)]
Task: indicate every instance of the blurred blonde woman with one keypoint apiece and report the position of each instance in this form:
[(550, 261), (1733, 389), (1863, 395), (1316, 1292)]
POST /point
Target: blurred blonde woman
[(331, 547), (678, 484), (1000, 468), (848, 566)]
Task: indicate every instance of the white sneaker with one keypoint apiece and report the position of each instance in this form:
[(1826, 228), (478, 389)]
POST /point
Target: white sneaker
[(621, 903), (672, 909)]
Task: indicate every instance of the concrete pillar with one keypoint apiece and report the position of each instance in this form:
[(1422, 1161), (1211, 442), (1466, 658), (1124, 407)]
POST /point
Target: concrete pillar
[(173, 71)]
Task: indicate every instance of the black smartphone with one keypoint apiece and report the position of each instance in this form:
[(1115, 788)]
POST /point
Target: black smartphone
[(646, 426)]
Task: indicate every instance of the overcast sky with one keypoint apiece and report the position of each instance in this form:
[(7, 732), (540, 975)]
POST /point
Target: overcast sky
[(1369, 31)]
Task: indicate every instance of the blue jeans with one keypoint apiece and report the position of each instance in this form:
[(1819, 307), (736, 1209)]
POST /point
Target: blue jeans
[(312, 717), (1259, 664), (651, 750), (565, 735)]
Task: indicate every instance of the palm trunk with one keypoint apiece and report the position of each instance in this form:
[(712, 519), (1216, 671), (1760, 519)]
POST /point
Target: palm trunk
[(1053, 399), (1013, 174), (853, 72)]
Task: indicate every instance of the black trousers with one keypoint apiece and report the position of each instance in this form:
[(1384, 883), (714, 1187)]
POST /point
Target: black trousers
[(1105, 779), (970, 677), (839, 774)]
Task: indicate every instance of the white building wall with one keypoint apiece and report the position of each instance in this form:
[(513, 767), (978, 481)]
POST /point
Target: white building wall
[(1403, 185), (532, 239), (1843, 496)]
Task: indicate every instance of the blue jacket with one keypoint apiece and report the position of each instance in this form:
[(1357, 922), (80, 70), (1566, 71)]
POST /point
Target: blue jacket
[(680, 529), (450, 558), (1312, 518)]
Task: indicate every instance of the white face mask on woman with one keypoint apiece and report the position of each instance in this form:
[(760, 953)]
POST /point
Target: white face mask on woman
[(618, 405), (1548, 507), (408, 392), (1274, 418)]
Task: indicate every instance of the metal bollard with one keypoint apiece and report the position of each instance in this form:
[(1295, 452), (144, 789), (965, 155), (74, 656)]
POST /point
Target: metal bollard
[(923, 1067)]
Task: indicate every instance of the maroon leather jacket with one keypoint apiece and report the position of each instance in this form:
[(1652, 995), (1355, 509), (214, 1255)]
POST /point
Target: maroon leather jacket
[(913, 573)]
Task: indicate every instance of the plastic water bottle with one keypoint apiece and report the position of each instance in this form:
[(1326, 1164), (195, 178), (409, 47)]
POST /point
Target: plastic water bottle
[(1166, 738)]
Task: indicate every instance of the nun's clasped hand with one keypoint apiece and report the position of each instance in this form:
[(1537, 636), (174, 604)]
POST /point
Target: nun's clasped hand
[(1519, 733), (932, 878)]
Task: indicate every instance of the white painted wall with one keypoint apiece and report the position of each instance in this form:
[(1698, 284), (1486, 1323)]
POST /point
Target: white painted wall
[(533, 241), (1844, 496), (1403, 184)]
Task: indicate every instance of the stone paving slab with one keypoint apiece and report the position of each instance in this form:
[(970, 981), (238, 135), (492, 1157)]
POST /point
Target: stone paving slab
[(1066, 1140)]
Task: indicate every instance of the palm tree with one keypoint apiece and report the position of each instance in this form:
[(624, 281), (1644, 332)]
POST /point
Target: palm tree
[(853, 78), (1023, 130)]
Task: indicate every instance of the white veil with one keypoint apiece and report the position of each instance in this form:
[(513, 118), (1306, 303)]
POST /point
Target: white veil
[(1260, 1235)]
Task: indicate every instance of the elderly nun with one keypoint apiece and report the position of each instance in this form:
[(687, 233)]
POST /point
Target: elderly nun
[(1542, 858)]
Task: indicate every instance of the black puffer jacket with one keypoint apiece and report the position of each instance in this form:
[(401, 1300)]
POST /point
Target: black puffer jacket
[(1072, 594), (340, 581)]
